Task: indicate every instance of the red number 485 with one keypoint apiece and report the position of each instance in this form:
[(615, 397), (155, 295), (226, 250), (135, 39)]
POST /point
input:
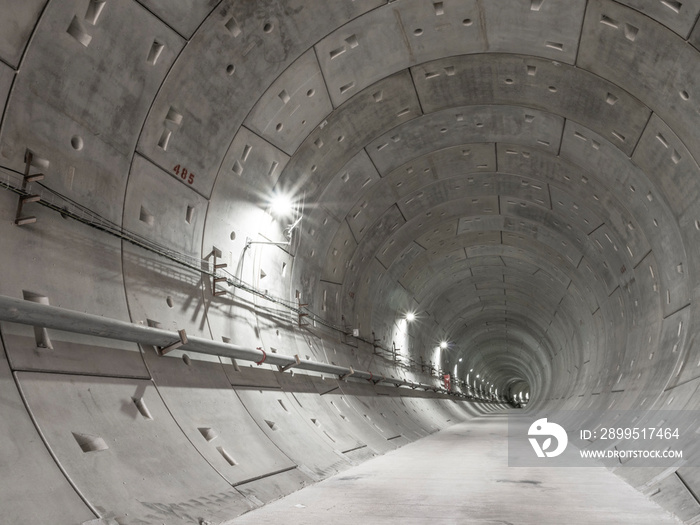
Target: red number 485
[(184, 174)]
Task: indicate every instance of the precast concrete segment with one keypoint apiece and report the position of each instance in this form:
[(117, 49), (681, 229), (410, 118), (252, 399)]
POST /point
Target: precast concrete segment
[(17, 29), (209, 412), (26, 461), (533, 82), (238, 50), (97, 113), (109, 437)]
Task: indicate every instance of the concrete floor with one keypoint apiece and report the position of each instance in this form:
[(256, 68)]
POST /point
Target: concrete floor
[(460, 475)]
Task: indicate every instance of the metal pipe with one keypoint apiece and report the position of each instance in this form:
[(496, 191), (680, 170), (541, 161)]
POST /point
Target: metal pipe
[(35, 314)]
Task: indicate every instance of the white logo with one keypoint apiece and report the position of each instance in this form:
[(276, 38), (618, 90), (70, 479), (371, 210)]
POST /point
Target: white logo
[(542, 428)]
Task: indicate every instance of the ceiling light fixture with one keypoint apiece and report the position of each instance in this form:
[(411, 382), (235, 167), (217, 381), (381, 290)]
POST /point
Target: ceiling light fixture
[(281, 205)]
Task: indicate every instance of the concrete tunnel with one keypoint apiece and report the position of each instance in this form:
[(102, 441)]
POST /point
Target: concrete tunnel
[(245, 241)]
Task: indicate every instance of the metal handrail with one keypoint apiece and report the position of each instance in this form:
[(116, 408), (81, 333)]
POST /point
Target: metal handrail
[(35, 314)]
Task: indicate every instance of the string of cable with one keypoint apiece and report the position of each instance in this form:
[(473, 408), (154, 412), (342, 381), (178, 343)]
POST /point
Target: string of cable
[(68, 208)]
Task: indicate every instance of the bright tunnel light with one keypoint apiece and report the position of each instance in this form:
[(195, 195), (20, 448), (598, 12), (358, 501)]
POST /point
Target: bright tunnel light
[(281, 205)]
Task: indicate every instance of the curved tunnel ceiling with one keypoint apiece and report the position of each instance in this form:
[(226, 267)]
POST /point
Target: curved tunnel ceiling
[(516, 188), (520, 174)]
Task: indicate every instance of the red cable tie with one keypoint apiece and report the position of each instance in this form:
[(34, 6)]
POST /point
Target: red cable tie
[(370, 376), (263, 357)]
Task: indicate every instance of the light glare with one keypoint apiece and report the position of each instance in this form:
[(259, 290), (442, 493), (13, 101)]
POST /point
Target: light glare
[(281, 205)]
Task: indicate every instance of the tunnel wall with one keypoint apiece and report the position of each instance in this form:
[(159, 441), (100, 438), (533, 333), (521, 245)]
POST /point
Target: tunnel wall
[(523, 175)]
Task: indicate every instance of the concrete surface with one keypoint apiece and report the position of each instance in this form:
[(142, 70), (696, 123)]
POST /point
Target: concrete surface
[(522, 175), (461, 475)]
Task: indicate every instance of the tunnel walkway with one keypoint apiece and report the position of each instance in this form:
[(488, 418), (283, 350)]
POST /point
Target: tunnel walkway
[(460, 475)]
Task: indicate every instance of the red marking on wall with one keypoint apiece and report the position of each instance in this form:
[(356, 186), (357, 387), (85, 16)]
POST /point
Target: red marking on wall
[(185, 175)]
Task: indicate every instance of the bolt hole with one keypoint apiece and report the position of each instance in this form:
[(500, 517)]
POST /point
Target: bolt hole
[(685, 95), (187, 359), (169, 302), (77, 143), (279, 127), (467, 21), (230, 69), (509, 80), (418, 31), (553, 89), (310, 93), (267, 27), (233, 236)]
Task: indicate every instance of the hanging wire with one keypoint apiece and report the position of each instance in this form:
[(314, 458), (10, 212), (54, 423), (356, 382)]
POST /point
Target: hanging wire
[(68, 208)]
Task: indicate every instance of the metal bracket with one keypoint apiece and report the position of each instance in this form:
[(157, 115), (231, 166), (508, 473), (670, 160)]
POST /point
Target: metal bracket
[(375, 343), (297, 362), (26, 199), (350, 373), (177, 344), (216, 280), (302, 315)]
